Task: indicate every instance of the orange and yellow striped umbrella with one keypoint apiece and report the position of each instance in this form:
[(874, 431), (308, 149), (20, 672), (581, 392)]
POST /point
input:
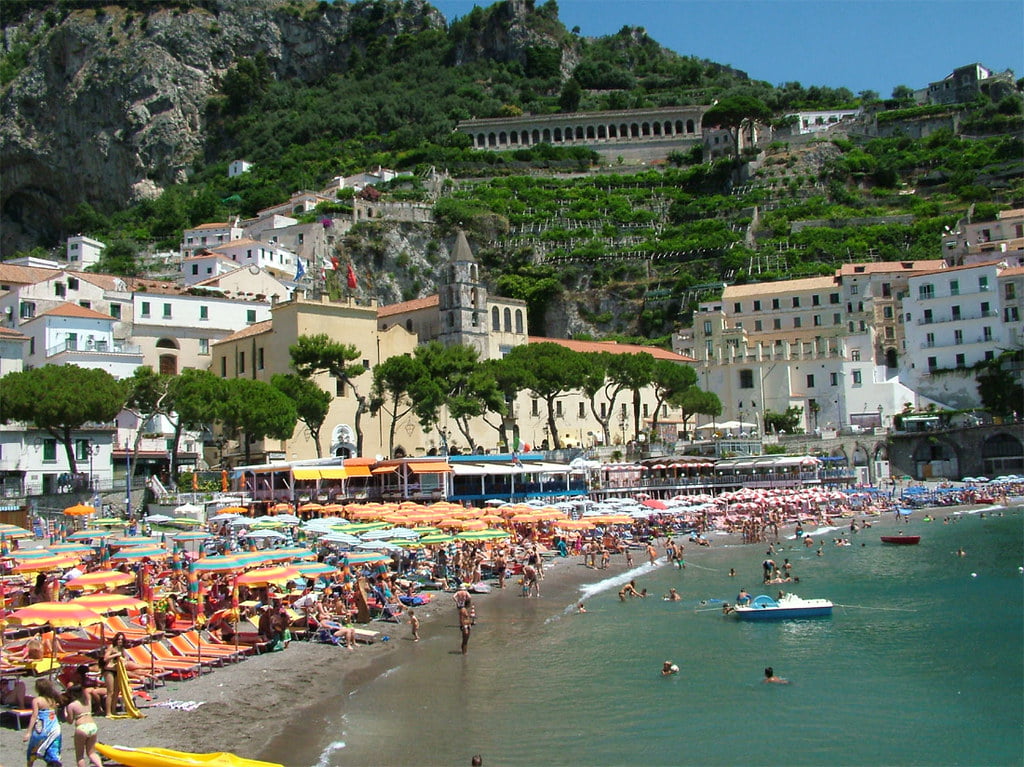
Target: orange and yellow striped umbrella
[(108, 603), (100, 579), (58, 614)]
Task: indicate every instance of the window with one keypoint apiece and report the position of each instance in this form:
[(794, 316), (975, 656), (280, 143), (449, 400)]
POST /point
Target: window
[(737, 308), (204, 346), (623, 411), (223, 367), (746, 379), (558, 408), (241, 362), (204, 312), (757, 306), (582, 410), (810, 381), (817, 320), (929, 340), (604, 409), (167, 311), (646, 410), (890, 332), (837, 319), (983, 283), (259, 358), (339, 387), (145, 309), (955, 311), (986, 309), (833, 298), (250, 316), (1011, 314), (954, 287), (857, 378), (887, 312), (815, 300), (757, 325), (797, 322), (796, 302), (927, 319), (926, 291), (833, 379), (775, 303), (854, 290), (990, 355), (886, 290), (115, 311), (81, 450), (495, 320), (195, 269), (863, 325), (777, 324), (855, 355), (49, 449), (961, 361), (986, 333), (958, 337), (60, 289), (1011, 291), (933, 364), (534, 406)]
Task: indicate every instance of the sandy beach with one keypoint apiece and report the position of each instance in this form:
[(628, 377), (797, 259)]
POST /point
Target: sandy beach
[(246, 708)]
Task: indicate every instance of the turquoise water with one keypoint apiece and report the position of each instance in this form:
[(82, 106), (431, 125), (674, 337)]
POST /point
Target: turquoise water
[(924, 665)]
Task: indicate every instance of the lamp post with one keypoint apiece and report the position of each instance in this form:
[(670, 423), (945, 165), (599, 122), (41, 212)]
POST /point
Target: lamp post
[(92, 449), (128, 480)]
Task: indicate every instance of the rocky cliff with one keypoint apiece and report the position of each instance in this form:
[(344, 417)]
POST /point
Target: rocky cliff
[(109, 105)]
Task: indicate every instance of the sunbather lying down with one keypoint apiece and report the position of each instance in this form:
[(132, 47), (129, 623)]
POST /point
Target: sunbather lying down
[(342, 634)]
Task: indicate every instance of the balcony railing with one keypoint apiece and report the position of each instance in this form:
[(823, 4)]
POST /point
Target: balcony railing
[(102, 347)]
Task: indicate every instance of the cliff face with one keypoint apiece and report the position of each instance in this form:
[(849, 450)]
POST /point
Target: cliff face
[(109, 107)]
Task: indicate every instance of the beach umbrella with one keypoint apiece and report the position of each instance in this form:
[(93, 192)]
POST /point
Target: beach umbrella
[(428, 540), (313, 569), (574, 524), (224, 516), (134, 540), (191, 535), (184, 522), (291, 552), (71, 548), (265, 535), (340, 538), (156, 519), (267, 576), (13, 531), (288, 519), (309, 507), (55, 614), (100, 579), (360, 558), (109, 603), (481, 535), (377, 546), (236, 510), (654, 503), (223, 563), (188, 508), (86, 535), (24, 555), (44, 564), (135, 553), (355, 529), (79, 510)]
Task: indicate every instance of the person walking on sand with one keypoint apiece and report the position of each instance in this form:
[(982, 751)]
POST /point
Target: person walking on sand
[(414, 624), (465, 628), (78, 711), (43, 732)]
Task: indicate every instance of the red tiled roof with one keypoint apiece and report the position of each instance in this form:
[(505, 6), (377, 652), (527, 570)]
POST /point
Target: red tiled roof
[(874, 267), (255, 329), (962, 268), (10, 334), (614, 347), (417, 304), (69, 309)]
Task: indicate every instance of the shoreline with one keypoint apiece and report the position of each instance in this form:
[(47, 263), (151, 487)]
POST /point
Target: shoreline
[(249, 708)]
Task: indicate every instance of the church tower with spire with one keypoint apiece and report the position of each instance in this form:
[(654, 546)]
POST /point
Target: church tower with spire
[(463, 301)]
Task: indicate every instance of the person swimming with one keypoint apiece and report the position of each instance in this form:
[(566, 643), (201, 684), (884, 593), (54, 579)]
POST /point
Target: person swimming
[(669, 668), (769, 676)]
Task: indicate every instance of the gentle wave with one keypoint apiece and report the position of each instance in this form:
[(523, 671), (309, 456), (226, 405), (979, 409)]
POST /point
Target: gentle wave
[(325, 755)]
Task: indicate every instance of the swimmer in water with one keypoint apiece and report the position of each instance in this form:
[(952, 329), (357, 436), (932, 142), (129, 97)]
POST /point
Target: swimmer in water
[(672, 596), (669, 668), (769, 676)]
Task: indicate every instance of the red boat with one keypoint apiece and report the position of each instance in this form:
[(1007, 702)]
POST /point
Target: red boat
[(905, 540)]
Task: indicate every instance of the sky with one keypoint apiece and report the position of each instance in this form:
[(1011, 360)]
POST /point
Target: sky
[(857, 44)]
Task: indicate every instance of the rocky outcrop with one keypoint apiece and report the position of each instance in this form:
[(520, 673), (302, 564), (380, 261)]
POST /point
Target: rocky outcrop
[(110, 105)]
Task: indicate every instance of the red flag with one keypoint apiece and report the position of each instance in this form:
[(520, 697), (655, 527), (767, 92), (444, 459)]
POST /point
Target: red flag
[(351, 278), (335, 263)]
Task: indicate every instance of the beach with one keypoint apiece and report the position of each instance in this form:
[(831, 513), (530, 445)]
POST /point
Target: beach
[(300, 706)]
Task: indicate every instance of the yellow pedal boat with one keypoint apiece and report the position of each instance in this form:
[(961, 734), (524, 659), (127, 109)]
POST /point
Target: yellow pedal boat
[(164, 757)]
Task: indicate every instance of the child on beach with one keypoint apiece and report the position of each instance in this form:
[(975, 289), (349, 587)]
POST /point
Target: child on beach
[(414, 624)]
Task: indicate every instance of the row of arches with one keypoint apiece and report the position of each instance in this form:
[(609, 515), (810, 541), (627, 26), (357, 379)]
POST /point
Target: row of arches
[(496, 317), (599, 132)]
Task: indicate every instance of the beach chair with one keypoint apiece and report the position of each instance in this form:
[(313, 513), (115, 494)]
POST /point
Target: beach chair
[(186, 646), (163, 650), (174, 668), (243, 650)]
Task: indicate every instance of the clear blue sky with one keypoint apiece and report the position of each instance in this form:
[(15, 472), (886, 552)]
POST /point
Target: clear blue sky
[(858, 44)]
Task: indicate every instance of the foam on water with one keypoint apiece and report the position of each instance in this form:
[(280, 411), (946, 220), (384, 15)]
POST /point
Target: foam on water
[(325, 755), (592, 589)]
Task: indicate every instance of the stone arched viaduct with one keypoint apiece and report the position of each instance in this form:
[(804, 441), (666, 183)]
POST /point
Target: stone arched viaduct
[(625, 126)]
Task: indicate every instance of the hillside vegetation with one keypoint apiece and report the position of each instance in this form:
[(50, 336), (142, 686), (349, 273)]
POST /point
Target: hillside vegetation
[(610, 250)]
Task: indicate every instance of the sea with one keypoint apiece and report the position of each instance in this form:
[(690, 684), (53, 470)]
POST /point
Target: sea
[(921, 663)]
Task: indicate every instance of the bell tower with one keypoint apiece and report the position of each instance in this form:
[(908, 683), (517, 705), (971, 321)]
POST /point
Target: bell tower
[(463, 301)]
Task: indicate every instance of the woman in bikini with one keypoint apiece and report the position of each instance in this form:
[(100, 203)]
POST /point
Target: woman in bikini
[(43, 734), (113, 654), (78, 712)]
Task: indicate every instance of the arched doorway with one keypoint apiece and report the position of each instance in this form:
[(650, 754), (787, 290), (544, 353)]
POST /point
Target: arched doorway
[(934, 458), (1002, 454), (168, 357)]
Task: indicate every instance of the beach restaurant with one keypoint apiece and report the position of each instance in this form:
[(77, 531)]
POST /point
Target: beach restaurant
[(459, 478)]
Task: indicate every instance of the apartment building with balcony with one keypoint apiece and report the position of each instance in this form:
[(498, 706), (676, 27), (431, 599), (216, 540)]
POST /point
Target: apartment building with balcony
[(209, 236), (972, 242), (953, 319)]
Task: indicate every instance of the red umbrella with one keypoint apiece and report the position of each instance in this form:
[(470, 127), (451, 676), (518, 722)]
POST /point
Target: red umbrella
[(654, 503)]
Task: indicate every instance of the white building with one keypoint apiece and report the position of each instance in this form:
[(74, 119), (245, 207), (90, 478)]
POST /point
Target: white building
[(972, 242), (83, 252), (238, 167), (205, 265), (69, 334), (822, 120), (248, 252), (208, 236), (952, 319)]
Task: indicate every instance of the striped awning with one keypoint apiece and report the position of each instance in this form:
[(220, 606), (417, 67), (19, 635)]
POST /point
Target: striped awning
[(430, 467), (306, 473)]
